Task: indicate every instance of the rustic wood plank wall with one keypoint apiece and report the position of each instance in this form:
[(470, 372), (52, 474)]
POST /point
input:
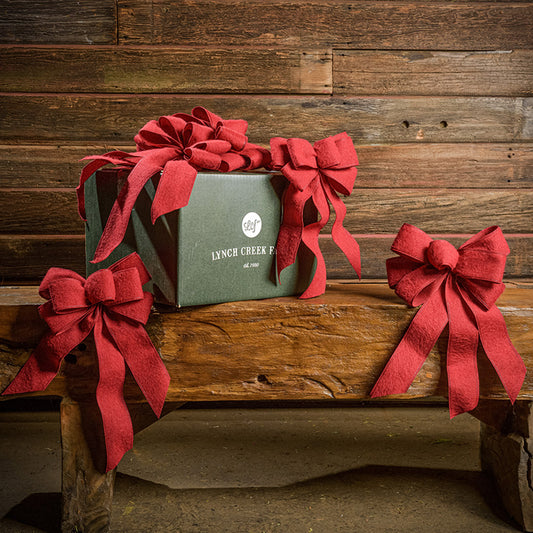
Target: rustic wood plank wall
[(437, 96)]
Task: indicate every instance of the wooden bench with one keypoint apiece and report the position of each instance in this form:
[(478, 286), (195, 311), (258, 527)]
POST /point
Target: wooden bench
[(331, 347)]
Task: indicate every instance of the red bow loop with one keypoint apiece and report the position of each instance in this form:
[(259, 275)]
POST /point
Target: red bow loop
[(236, 138), (112, 304), (459, 287), (317, 172)]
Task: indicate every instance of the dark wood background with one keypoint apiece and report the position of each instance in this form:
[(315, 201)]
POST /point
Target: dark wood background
[(437, 96)]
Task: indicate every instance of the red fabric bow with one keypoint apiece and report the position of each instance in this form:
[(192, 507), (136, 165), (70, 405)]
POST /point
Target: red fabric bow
[(111, 303), (178, 145), (319, 172), (456, 287)]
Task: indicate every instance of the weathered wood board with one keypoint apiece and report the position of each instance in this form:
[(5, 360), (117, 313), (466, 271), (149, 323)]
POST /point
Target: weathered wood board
[(411, 165), (369, 210), (86, 22), (422, 72), (342, 24), (38, 253), (368, 120), (165, 70), (333, 346)]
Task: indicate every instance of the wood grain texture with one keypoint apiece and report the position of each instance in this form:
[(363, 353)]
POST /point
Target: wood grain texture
[(101, 118), (38, 253), (40, 211), (478, 165), (506, 455), (369, 211), (62, 21), (87, 493), (165, 70), (375, 250), (424, 72), (439, 210), (333, 346), (411, 165), (341, 24), (48, 165)]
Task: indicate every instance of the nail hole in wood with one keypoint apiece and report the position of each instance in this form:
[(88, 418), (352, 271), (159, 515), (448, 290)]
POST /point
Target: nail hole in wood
[(263, 379), (405, 124), (443, 124), (71, 358)]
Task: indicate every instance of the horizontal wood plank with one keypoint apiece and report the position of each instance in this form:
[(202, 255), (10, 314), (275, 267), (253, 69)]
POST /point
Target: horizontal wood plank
[(330, 347), (28, 257), (445, 165), (42, 211), (439, 210), (376, 249), (99, 118), (411, 165), (341, 24), (62, 21), (55, 166), (423, 72), (164, 70)]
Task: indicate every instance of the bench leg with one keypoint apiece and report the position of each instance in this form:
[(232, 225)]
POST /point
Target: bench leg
[(507, 454), (87, 493)]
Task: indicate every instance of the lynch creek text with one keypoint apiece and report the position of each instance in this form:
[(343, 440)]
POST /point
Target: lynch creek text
[(243, 251)]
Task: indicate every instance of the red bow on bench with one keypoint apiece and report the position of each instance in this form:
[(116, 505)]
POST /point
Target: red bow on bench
[(459, 288), (319, 172), (113, 305), (178, 145)]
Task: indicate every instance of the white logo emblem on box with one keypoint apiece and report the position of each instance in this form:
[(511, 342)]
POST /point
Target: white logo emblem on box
[(251, 224)]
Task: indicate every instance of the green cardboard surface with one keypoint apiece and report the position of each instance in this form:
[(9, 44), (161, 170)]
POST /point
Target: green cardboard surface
[(219, 248)]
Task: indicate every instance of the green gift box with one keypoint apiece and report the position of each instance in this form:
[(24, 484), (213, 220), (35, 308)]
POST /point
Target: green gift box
[(218, 248)]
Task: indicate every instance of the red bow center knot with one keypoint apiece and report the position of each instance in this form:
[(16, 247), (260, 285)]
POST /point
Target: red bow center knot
[(315, 172), (112, 304), (442, 254), (100, 287), (458, 288)]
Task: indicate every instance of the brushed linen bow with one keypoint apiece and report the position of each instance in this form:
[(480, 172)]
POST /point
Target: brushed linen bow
[(178, 145), (318, 172), (113, 305), (458, 287)]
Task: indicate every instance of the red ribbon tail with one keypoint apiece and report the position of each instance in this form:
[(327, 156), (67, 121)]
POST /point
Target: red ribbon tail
[(341, 236), (174, 188), (118, 429), (86, 173), (499, 349), (143, 360), (38, 371), (463, 379), (119, 216), (43, 365), (310, 239), (409, 356), (290, 231)]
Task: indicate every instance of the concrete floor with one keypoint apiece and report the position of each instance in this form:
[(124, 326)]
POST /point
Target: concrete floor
[(290, 470)]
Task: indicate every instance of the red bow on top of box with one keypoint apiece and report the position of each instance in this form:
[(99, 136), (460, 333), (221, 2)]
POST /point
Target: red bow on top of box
[(112, 304), (178, 145), (458, 287), (317, 172)]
